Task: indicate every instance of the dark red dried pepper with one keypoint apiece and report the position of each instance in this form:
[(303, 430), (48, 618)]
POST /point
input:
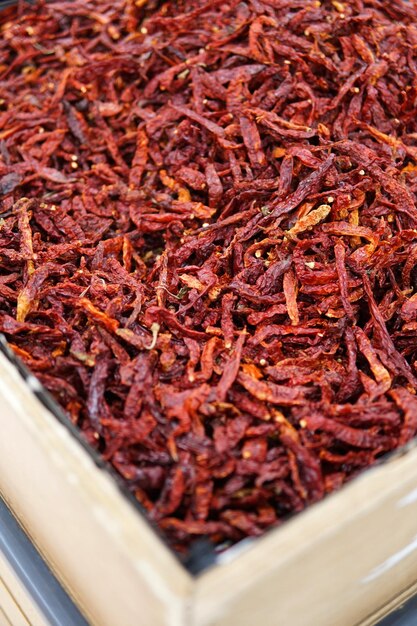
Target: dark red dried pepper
[(208, 242)]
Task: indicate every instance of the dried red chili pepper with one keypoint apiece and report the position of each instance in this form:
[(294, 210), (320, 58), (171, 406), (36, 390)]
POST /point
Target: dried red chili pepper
[(208, 242)]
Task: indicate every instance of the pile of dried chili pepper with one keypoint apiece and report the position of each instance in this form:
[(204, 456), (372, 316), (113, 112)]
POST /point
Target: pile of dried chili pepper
[(208, 242)]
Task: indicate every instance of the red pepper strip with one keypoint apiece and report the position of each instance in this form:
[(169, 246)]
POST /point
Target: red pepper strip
[(340, 252), (388, 344), (407, 402), (231, 369), (98, 316), (306, 187), (269, 392), (352, 436)]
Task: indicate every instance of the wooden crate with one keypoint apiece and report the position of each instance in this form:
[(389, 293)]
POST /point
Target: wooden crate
[(345, 561)]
